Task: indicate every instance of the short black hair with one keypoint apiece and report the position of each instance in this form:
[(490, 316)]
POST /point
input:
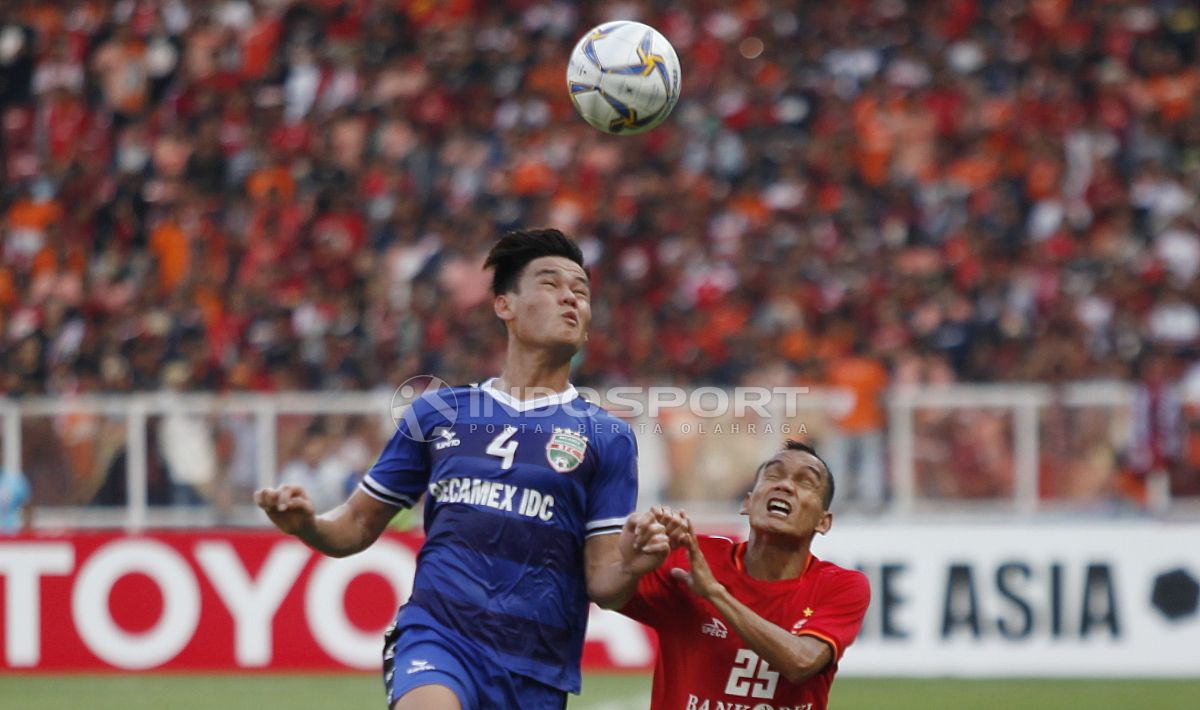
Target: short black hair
[(795, 445), (515, 250)]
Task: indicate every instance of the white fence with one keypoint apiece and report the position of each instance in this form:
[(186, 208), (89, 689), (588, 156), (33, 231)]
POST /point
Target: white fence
[(1009, 450)]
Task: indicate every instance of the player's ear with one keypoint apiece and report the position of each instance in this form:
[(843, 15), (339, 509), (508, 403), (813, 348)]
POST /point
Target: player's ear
[(745, 508), (502, 305), (824, 523)]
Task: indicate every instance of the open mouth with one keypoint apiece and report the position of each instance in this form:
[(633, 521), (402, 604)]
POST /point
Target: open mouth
[(779, 508)]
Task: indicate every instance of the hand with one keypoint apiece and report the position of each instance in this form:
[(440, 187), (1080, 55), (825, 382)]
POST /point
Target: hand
[(644, 543), (700, 579), (288, 507), (675, 523)]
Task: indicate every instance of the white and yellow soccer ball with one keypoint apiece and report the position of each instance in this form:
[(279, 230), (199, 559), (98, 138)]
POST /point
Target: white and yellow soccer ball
[(623, 77)]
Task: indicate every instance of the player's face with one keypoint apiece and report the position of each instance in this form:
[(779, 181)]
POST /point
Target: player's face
[(789, 496), (551, 306)]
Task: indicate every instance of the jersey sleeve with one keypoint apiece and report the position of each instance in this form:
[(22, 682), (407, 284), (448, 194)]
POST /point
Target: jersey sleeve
[(654, 602), (401, 472), (837, 612), (612, 492)]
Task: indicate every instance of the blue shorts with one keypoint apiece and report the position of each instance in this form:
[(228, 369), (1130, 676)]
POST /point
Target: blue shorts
[(414, 656)]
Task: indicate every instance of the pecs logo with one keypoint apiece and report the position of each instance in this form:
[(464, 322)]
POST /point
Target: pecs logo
[(565, 449), (715, 628)]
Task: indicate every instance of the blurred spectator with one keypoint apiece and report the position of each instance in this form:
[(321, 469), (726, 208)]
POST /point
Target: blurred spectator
[(188, 444), (15, 507), (17, 54), (113, 489), (237, 449), (322, 473), (1156, 447), (855, 450), (989, 190), (948, 178)]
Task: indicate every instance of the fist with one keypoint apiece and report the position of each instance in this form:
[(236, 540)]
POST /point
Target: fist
[(288, 507)]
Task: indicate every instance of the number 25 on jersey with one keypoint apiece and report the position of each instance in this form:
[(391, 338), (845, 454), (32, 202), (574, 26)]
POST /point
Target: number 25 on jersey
[(751, 677)]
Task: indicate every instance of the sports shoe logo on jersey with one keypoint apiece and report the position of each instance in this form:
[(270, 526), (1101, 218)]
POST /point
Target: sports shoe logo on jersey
[(715, 629), (565, 449), (445, 437), (419, 665)]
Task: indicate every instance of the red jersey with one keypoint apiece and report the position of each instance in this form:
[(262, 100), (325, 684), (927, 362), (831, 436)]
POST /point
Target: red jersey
[(704, 665)]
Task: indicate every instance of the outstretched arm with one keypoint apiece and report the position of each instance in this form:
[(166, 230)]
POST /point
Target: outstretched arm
[(349, 528), (798, 658), (614, 563)]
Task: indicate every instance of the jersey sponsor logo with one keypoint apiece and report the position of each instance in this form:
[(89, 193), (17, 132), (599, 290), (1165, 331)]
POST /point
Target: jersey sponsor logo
[(714, 628), (698, 703), (444, 438), (494, 494), (419, 665), (565, 449)]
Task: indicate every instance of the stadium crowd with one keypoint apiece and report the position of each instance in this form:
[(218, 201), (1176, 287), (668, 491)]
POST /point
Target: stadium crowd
[(274, 195)]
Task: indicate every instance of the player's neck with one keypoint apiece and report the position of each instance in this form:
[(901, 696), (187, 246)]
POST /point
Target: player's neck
[(771, 559), (531, 373)]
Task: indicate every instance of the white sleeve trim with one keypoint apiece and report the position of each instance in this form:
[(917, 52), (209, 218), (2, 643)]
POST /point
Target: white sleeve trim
[(383, 494), (603, 526), (605, 522)]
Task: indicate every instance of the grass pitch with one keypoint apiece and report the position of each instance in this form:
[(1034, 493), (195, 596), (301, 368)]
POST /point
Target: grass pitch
[(600, 692)]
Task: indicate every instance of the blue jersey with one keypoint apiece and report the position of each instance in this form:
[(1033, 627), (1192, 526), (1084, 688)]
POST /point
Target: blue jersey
[(512, 490)]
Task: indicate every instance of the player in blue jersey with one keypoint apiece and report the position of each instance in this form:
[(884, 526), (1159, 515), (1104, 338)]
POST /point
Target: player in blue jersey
[(528, 494)]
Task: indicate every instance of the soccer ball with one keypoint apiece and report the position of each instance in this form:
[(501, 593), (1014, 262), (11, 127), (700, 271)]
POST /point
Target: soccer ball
[(623, 77)]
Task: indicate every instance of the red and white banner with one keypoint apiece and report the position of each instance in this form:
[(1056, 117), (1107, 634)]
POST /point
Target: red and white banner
[(221, 601), (1111, 599)]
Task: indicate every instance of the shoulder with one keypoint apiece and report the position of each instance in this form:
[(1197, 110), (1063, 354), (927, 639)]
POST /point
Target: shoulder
[(445, 402), (715, 543), (604, 424), (584, 406), (840, 578), (717, 550)]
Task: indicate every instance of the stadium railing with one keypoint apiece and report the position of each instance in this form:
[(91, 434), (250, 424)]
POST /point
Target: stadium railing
[(180, 460)]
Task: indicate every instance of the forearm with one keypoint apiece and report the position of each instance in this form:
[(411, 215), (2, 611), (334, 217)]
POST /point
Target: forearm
[(338, 533), (613, 563), (611, 585), (798, 659)]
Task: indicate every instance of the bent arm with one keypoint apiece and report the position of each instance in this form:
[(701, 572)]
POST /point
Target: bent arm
[(349, 528), (798, 658), (614, 563), (610, 582)]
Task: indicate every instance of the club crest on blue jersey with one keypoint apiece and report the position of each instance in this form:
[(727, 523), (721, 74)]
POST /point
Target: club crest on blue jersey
[(565, 449)]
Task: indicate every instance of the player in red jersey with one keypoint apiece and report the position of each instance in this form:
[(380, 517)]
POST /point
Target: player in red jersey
[(758, 625)]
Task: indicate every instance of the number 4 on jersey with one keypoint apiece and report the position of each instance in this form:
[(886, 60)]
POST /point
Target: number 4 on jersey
[(751, 676), (503, 447)]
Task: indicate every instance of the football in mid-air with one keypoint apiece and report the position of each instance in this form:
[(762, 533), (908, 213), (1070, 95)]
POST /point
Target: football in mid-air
[(623, 77)]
